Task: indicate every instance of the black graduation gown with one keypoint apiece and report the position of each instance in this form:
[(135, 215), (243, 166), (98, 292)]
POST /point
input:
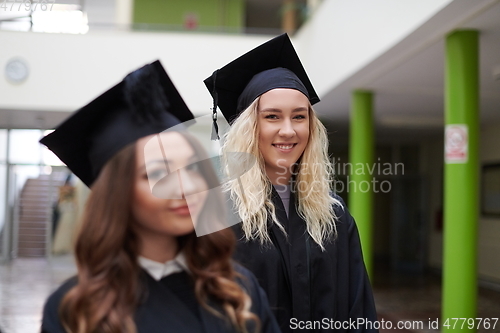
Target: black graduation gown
[(163, 311), (305, 283)]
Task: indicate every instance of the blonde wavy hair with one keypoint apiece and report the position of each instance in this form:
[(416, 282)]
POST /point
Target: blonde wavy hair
[(251, 192)]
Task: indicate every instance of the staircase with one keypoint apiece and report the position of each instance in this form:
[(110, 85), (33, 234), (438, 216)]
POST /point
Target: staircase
[(35, 213)]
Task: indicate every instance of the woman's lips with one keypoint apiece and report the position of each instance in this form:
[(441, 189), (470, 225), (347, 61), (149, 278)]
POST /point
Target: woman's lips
[(181, 210), (284, 148), (185, 210)]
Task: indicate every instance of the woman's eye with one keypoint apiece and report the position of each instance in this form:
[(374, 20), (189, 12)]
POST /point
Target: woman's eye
[(156, 174), (193, 167), (271, 116), (300, 117)]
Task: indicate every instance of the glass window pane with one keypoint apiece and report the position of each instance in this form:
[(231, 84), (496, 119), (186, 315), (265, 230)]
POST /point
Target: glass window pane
[(48, 157), (3, 145), (3, 184), (24, 147)]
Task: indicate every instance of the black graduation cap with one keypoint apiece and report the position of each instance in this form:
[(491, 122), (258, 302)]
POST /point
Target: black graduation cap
[(274, 64), (145, 102)]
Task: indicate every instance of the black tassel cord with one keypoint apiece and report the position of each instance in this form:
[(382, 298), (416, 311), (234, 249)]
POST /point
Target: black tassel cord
[(215, 127)]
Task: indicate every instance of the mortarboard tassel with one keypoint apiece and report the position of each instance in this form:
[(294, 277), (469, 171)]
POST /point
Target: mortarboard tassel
[(215, 127)]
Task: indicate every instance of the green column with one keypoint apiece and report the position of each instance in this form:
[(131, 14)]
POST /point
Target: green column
[(360, 180), (461, 178)]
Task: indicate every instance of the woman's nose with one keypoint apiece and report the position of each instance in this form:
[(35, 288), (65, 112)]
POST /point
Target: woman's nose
[(287, 129), (187, 183)]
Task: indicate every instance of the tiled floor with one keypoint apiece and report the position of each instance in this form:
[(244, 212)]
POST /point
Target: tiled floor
[(417, 299), (25, 284)]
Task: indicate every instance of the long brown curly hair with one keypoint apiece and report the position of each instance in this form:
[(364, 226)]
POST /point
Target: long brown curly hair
[(109, 288)]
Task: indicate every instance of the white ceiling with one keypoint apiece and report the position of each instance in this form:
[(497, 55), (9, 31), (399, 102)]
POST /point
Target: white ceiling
[(408, 80)]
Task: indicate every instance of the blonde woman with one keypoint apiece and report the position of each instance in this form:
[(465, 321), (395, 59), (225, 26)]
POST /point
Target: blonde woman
[(296, 236)]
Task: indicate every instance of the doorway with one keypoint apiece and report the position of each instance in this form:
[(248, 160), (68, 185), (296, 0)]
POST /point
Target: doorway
[(29, 177)]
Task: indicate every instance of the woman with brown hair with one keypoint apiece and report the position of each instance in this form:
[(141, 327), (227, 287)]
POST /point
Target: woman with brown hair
[(141, 266)]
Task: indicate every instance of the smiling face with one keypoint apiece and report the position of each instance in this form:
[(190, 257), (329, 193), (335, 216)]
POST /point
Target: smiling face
[(283, 123), (183, 188)]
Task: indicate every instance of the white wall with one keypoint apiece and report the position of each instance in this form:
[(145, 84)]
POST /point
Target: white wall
[(343, 36), (67, 71)]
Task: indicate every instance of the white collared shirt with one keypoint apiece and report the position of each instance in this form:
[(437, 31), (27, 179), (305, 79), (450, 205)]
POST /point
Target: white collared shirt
[(159, 270)]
